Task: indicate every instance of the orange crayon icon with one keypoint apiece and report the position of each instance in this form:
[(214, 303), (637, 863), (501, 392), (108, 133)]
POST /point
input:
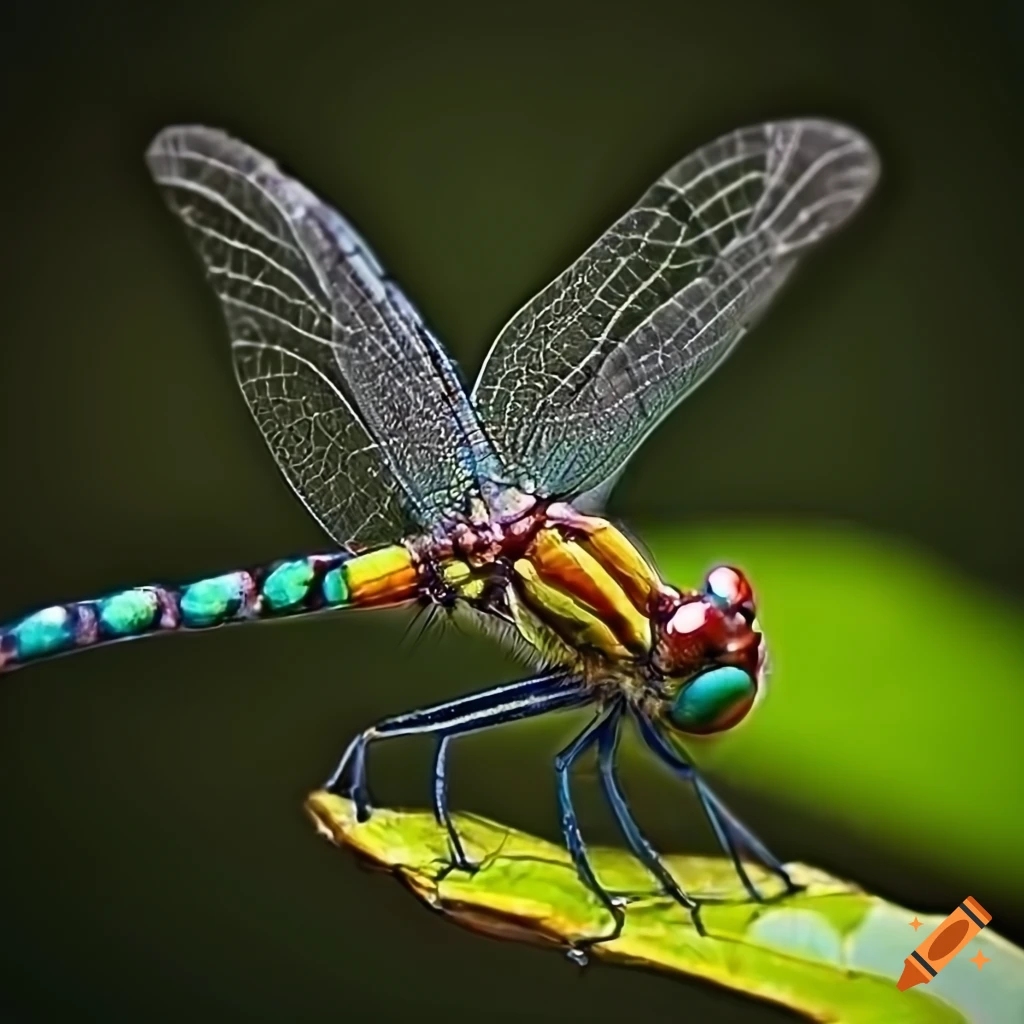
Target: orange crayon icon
[(943, 944)]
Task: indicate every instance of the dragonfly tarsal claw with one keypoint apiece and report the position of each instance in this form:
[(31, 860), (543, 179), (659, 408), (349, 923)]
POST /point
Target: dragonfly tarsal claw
[(577, 956), (752, 890), (618, 923), (460, 862), (698, 923), (333, 784), (792, 888), (356, 790), (457, 863)]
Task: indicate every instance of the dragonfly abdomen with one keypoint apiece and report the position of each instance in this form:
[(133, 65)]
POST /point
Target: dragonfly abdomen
[(297, 586)]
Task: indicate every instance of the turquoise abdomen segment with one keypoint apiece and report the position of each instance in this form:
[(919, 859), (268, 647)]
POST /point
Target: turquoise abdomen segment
[(335, 587), (130, 612), (294, 586), (44, 632), (288, 584), (215, 601)]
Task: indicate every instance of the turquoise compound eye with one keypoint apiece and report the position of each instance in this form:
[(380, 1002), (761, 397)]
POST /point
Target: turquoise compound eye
[(713, 701)]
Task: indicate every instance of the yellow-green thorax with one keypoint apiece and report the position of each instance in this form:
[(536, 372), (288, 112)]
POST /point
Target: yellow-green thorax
[(577, 589)]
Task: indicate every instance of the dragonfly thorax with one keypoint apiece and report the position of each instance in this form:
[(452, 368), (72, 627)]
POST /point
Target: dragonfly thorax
[(484, 534), (569, 589), (578, 591)]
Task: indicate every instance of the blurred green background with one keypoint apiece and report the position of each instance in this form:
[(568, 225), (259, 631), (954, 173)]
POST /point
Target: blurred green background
[(156, 865)]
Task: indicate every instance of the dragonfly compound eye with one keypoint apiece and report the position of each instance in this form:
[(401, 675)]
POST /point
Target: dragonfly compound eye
[(713, 701), (730, 590)]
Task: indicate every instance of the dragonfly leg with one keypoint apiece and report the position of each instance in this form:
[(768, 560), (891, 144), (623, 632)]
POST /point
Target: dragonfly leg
[(727, 827), (607, 745), (570, 824), (442, 811), (527, 698)]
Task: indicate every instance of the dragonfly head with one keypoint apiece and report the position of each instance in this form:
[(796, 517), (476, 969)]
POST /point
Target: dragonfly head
[(710, 653)]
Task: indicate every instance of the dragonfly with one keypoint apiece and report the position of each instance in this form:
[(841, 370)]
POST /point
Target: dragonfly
[(487, 503)]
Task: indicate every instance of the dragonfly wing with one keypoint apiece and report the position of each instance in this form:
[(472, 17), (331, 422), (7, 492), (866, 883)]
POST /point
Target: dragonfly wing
[(360, 405), (587, 368), (593, 501)]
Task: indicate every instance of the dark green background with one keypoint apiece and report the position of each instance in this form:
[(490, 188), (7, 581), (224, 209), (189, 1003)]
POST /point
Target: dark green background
[(155, 863)]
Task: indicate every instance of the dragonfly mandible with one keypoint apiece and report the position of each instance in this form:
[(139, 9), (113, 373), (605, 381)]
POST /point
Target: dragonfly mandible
[(487, 503)]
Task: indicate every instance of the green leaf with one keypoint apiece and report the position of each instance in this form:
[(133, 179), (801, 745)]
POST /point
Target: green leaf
[(831, 952)]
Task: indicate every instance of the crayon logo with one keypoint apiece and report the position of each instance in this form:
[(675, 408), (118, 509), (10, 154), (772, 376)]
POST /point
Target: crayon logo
[(947, 940), (944, 943)]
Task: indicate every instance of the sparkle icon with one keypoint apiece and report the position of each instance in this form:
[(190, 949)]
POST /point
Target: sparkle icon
[(915, 924), (980, 959)]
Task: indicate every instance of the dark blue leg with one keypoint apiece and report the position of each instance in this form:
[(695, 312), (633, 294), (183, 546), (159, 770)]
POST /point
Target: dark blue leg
[(641, 846), (726, 826), (441, 811), (526, 699), (570, 825)]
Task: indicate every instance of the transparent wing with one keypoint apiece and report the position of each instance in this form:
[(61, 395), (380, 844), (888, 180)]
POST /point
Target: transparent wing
[(589, 366), (358, 402)]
